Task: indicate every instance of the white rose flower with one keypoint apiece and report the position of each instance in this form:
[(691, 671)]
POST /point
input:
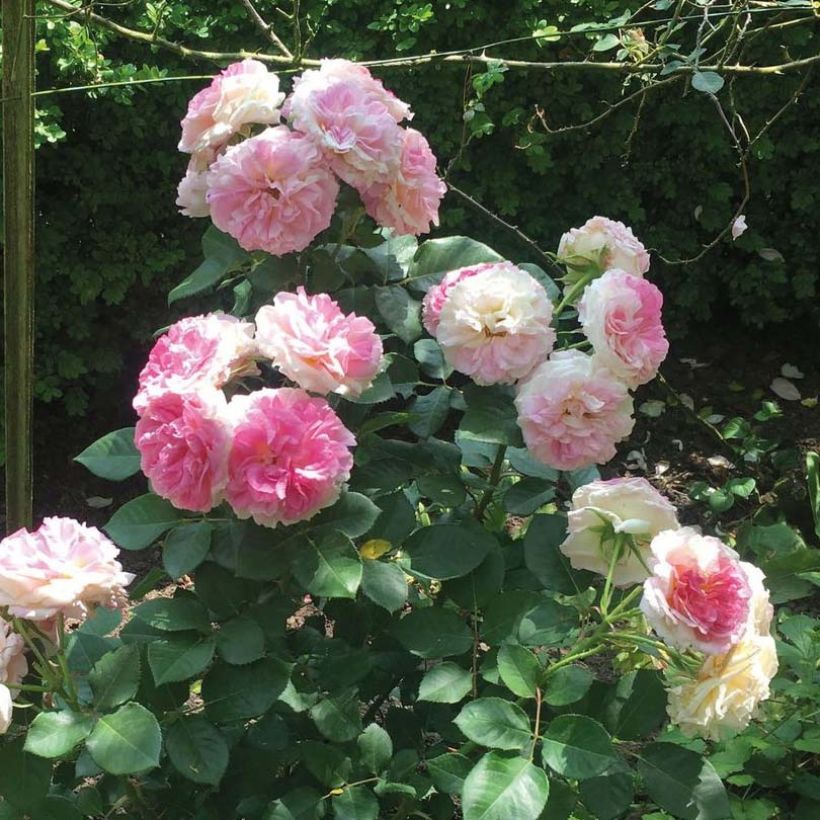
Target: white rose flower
[(607, 243)]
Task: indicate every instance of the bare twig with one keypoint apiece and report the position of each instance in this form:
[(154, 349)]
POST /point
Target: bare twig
[(266, 28)]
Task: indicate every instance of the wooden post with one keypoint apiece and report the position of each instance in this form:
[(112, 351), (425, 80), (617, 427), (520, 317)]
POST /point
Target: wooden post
[(18, 255)]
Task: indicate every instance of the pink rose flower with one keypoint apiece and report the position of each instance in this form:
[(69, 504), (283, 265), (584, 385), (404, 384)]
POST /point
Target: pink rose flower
[(699, 593), (289, 456), (192, 194), (13, 668), (437, 295), (408, 203), (494, 326), (621, 316), (601, 511), (572, 411), (344, 71), (183, 440), (244, 93), (272, 192), (353, 129), (606, 244), (316, 345), (63, 567), (198, 351)]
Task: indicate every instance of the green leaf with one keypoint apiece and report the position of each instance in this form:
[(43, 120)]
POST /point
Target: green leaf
[(567, 685), (478, 587), (741, 487), (433, 633), (222, 254), (639, 707), (448, 550), (519, 669), (55, 734), (115, 677), (528, 495), (24, 777), (438, 256), (429, 412), (448, 771), (385, 584), (235, 692), (356, 803), (709, 82), (240, 640), (140, 522), (608, 797), (375, 748), (545, 560), (186, 547), (578, 747), (546, 623), (496, 723), (353, 514), (501, 787), (491, 416), (114, 456), (430, 357), (197, 750), (179, 658), (683, 783), (396, 521), (126, 742), (175, 614), (399, 311), (445, 683), (813, 483), (446, 490), (338, 718), (606, 43), (329, 566), (300, 804)]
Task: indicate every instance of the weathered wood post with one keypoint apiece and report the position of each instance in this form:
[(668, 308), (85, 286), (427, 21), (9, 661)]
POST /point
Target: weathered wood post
[(18, 254)]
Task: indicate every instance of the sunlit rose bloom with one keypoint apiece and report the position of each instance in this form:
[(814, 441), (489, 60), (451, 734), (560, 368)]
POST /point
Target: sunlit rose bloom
[(621, 316), (723, 697), (761, 610), (244, 93), (495, 326), (344, 71), (409, 202), (198, 351), (191, 194), (573, 412), (605, 243), (316, 345), (63, 567), (603, 510), (699, 593), (290, 456), (436, 296), (273, 192), (354, 130), (13, 668), (183, 441)]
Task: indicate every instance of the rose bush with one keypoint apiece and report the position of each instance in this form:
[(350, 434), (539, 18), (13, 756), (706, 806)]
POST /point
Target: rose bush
[(374, 603)]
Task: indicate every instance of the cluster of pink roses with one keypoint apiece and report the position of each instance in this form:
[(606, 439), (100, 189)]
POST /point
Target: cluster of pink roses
[(62, 570), (276, 190), (493, 322), (697, 595), (277, 455)]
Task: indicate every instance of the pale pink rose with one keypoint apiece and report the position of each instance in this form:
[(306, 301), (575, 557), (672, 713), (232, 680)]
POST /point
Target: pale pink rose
[(289, 458), (573, 412), (437, 295), (62, 568), (192, 192), (761, 610), (183, 440), (13, 668), (699, 593), (244, 93), (621, 316), (344, 71), (739, 226), (198, 351), (408, 203), (316, 345), (495, 326), (353, 130), (603, 243), (603, 514), (273, 192)]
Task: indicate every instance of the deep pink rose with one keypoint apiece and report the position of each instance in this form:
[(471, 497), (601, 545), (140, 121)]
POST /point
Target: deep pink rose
[(572, 411), (273, 192), (316, 345), (183, 440), (289, 458)]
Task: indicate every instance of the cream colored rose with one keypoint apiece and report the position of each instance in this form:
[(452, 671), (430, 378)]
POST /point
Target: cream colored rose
[(602, 509), (13, 668), (724, 696), (605, 243)]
